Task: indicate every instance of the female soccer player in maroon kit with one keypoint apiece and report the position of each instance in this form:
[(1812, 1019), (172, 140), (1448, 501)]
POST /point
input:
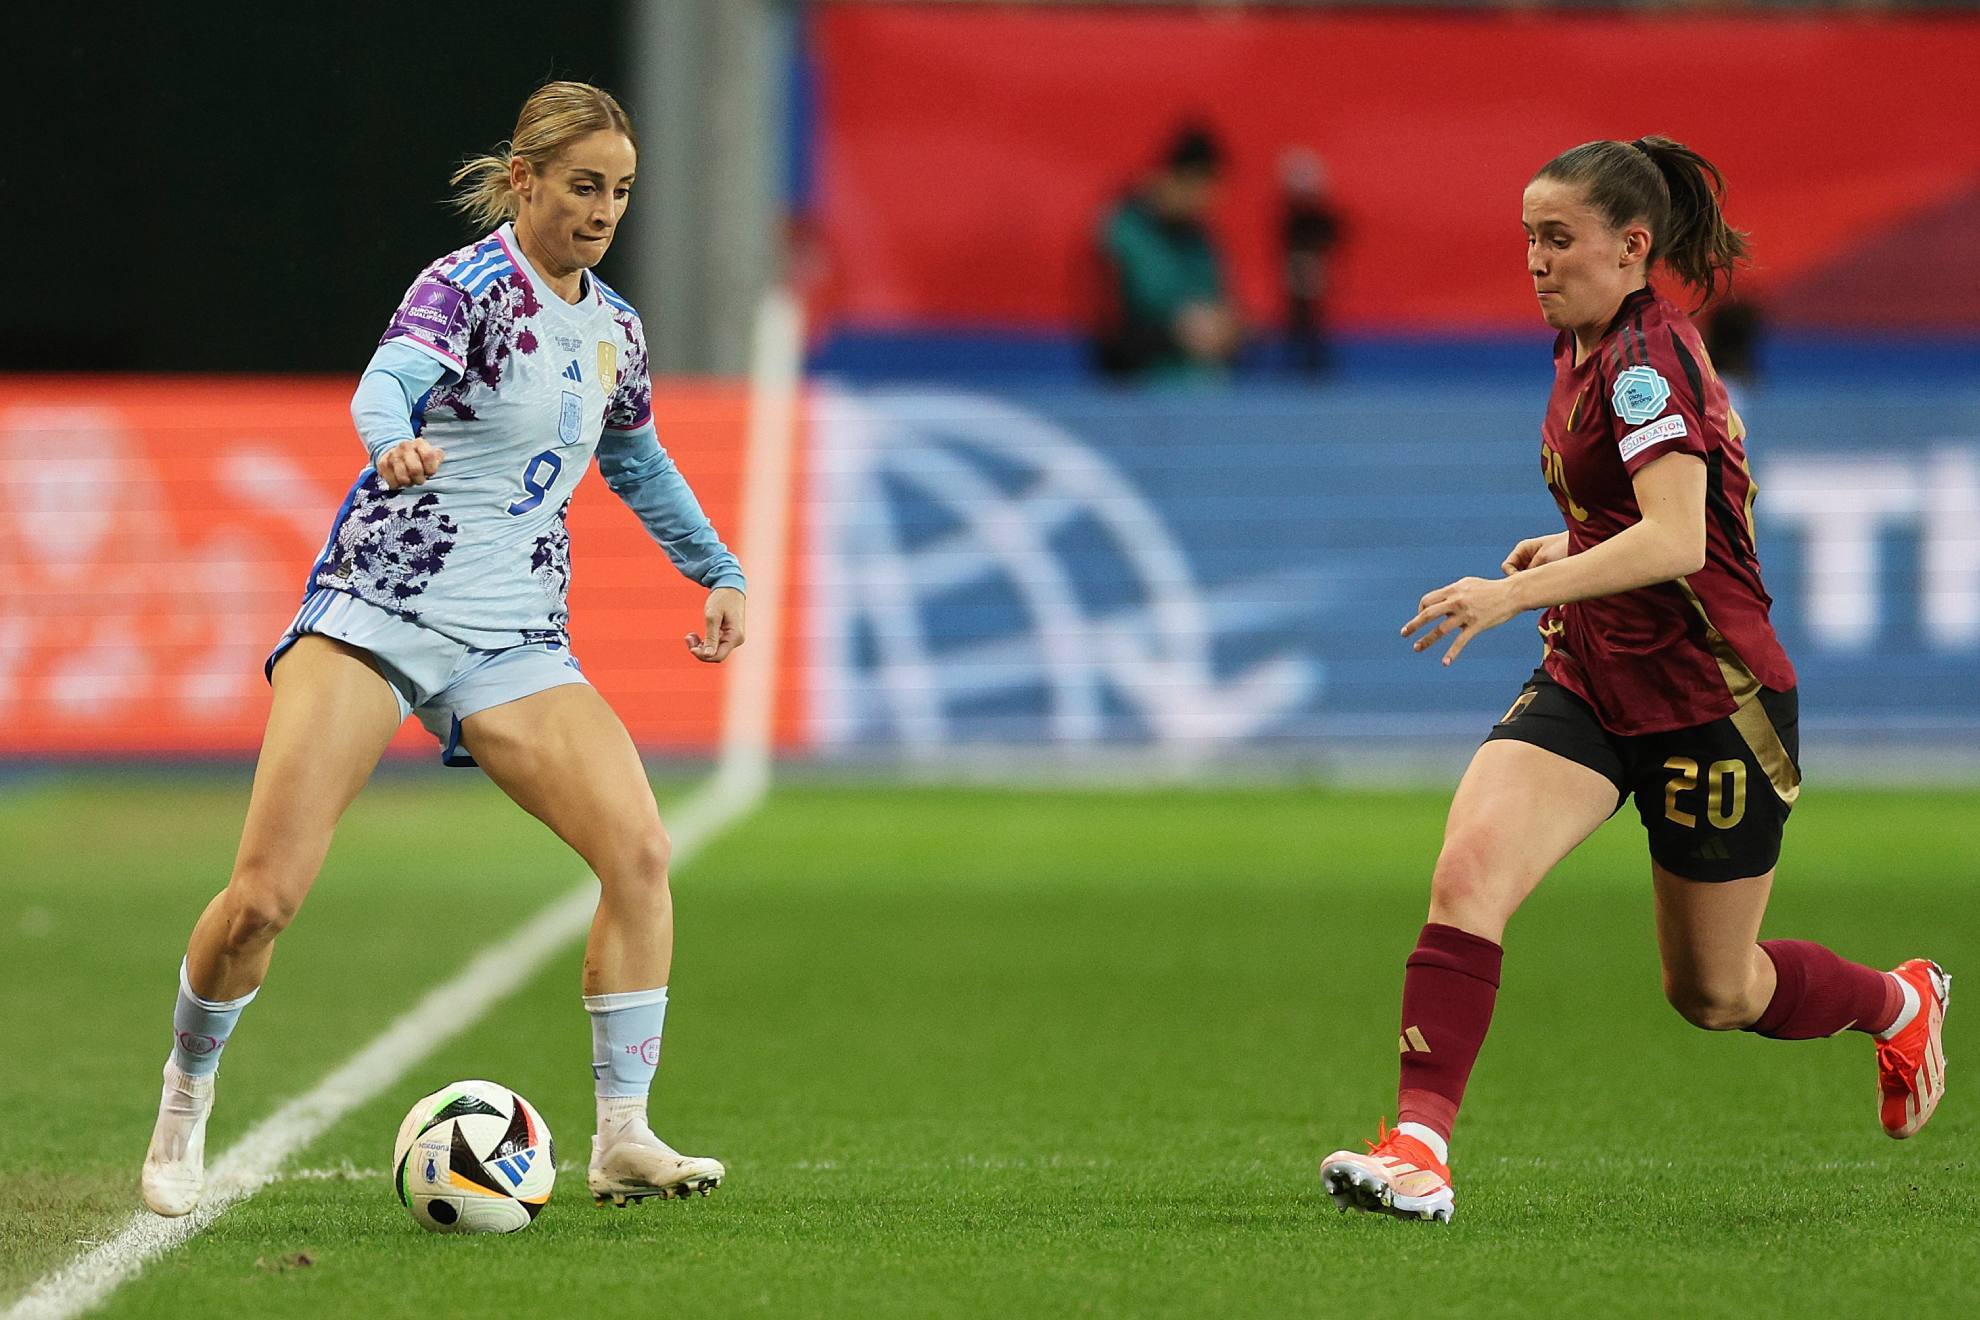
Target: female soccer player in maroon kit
[(1661, 679)]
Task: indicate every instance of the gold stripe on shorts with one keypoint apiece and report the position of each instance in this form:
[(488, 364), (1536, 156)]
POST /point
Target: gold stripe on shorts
[(1749, 717)]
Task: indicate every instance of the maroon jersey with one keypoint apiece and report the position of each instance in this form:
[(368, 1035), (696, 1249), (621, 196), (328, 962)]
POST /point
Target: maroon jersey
[(1680, 653)]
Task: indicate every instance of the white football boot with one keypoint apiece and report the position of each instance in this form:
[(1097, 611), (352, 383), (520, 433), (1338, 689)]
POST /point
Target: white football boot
[(1399, 1176), (175, 1166), (640, 1165)]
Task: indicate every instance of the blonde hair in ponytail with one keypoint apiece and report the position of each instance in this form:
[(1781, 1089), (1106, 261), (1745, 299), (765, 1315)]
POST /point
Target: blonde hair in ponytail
[(555, 115)]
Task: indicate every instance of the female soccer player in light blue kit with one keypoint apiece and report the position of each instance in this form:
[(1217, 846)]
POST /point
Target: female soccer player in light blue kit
[(441, 593)]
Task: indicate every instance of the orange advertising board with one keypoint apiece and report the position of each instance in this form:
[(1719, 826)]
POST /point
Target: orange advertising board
[(155, 533)]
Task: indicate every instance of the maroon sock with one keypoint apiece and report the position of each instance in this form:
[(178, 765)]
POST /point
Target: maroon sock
[(1819, 993), (1449, 986)]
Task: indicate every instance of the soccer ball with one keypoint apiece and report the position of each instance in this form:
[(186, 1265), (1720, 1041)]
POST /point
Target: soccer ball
[(474, 1157)]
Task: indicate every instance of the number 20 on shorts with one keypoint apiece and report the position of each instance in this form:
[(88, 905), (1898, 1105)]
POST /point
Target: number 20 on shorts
[(1725, 783)]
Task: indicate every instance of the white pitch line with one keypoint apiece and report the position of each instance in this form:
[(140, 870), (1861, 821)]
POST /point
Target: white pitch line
[(257, 1158)]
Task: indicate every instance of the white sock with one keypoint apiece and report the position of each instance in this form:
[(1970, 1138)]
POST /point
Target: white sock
[(186, 1097), (1429, 1137), (622, 1118), (1905, 1014)]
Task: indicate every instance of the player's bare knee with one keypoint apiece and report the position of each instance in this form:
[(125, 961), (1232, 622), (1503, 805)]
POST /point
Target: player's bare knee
[(1710, 1007), (256, 915), (651, 851), (263, 895), (638, 870), (1464, 882)]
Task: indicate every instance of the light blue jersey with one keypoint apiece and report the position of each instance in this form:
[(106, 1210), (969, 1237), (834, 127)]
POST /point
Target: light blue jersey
[(520, 389)]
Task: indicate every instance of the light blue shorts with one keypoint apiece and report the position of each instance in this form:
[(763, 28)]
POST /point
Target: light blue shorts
[(434, 677)]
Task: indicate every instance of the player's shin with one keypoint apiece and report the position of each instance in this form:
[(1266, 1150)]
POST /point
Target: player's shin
[(201, 1027), (1819, 993), (1449, 989), (625, 1052), (174, 1174)]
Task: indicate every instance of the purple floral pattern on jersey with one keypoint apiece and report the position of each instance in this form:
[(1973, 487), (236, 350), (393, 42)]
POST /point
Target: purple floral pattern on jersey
[(508, 300), (483, 329), (495, 331), (550, 565), (631, 403), (389, 546)]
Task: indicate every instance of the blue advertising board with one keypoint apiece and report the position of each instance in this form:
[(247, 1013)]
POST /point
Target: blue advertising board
[(1226, 575)]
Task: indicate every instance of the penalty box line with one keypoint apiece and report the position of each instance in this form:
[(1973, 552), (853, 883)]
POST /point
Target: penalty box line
[(257, 1158)]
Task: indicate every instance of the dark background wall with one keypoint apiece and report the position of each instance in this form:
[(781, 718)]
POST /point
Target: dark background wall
[(219, 188)]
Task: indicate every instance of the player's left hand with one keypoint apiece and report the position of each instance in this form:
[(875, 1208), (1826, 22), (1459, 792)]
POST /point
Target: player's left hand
[(1467, 607), (724, 614)]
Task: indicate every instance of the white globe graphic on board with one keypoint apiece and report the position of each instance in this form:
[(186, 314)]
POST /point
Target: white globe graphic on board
[(987, 578)]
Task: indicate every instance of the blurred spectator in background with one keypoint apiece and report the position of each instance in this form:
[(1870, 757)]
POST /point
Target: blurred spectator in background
[(1732, 340), (1310, 228), (1164, 315)]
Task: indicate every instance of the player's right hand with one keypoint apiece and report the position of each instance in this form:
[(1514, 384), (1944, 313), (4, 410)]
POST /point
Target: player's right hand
[(409, 464), (1535, 551)]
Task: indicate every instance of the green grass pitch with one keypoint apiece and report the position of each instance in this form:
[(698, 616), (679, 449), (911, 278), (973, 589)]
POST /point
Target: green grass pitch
[(1000, 1053)]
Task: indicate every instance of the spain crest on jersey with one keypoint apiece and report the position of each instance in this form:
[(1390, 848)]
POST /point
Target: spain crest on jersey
[(1640, 394)]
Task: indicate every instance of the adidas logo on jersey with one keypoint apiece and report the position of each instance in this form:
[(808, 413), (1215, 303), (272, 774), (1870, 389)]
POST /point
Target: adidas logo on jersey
[(572, 373)]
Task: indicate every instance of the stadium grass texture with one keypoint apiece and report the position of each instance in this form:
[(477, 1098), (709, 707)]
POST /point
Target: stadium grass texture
[(1001, 1053)]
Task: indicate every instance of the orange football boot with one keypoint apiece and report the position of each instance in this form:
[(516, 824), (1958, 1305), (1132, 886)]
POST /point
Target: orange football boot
[(1398, 1176), (1911, 1066)]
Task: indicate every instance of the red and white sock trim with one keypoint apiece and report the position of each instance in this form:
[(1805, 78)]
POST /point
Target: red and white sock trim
[(1905, 1014)]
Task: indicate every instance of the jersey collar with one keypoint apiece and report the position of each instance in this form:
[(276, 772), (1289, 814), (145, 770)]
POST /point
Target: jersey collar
[(1638, 298), (588, 291)]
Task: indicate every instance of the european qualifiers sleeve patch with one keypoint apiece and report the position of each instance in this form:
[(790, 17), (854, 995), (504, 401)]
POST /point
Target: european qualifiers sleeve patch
[(435, 310), (1668, 428), (1640, 394)]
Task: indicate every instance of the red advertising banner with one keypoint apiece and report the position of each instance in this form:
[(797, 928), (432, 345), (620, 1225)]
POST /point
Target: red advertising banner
[(965, 152), (154, 536)]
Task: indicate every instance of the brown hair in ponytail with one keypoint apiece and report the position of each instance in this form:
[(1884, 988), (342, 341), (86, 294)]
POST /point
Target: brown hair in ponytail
[(1673, 190)]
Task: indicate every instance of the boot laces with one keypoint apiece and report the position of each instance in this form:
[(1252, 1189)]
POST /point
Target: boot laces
[(1388, 1145), (1895, 1066)]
